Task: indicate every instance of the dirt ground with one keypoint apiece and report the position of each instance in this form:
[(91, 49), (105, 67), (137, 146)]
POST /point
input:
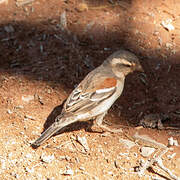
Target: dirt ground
[(46, 49)]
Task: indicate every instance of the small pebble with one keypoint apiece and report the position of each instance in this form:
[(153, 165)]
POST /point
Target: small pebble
[(176, 143), (29, 156), (167, 24), (135, 155), (19, 107), (9, 111), (127, 143), (172, 142), (29, 170), (110, 173), (105, 134), (82, 168), (146, 151), (107, 49), (68, 172), (83, 142), (27, 98), (49, 91), (47, 159), (30, 117)]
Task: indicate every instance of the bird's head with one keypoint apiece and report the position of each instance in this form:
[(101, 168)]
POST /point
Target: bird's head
[(123, 62)]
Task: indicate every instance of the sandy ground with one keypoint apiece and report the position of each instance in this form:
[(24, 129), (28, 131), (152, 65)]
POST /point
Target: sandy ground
[(47, 47)]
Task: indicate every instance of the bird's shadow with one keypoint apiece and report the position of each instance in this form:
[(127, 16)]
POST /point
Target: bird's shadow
[(71, 127)]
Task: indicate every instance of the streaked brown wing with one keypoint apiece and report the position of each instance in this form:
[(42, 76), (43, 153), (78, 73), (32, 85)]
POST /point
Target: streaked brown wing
[(86, 96)]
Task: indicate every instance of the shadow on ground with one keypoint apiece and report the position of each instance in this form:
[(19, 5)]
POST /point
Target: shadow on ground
[(45, 52)]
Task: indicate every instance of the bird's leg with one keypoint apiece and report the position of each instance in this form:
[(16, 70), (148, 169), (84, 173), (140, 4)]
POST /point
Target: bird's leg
[(94, 127), (99, 120)]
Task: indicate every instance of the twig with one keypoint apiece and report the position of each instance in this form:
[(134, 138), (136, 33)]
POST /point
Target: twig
[(149, 162), (77, 147), (23, 2), (157, 160), (161, 165), (147, 141)]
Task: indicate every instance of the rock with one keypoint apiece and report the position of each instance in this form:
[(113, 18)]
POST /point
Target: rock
[(172, 142), (110, 173), (68, 171), (47, 159), (105, 134), (148, 141), (29, 170), (146, 151), (30, 117), (167, 24), (19, 107), (29, 156), (82, 168), (27, 98), (176, 143), (23, 2), (49, 91), (107, 49), (9, 111), (83, 142), (127, 143)]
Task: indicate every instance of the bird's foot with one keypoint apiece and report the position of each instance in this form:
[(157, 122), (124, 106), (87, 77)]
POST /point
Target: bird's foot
[(95, 129), (103, 128), (112, 130)]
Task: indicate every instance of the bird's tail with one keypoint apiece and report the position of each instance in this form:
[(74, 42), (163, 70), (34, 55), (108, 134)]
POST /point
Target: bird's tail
[(56, 126)]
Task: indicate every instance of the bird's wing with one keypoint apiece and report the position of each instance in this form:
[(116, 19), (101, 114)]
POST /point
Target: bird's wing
[(90, 92)]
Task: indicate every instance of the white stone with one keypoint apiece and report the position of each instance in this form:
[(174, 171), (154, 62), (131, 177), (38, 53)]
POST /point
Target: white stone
[(176, 143), (27, 98), (147, 151), (9, 111), (172, 142), (167, 24), (29, 170), (127, 143), (47, 159), (68, 172)]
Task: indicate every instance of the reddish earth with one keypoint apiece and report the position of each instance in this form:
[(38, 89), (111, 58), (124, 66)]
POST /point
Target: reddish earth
[(43, 59)]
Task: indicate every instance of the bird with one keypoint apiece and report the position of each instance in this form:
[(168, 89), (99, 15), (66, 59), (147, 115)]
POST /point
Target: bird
[(95, 94)]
